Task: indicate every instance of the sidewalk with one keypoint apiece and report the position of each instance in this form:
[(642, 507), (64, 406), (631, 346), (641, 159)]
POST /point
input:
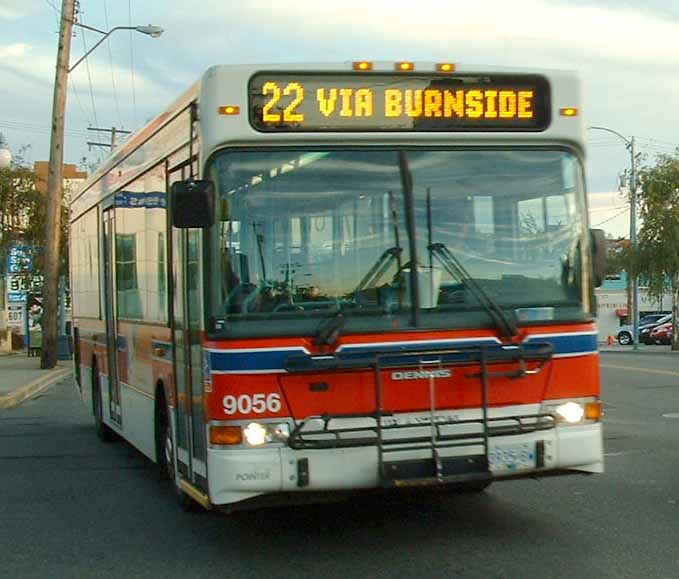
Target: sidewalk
[(21, 377), (643, 350)]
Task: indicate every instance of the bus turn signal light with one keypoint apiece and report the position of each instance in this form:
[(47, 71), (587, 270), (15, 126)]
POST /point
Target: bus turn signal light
[(593, 411), (569, 112), (445, 67), (229, 110), (226, 435), (363, 65)]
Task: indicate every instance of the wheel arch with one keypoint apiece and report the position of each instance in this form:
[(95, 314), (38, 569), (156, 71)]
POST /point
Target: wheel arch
[(160, 414)]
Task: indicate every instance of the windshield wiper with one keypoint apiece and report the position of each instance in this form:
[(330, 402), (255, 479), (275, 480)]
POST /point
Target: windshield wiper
[(455, 268), (330, 328), (376, 272)]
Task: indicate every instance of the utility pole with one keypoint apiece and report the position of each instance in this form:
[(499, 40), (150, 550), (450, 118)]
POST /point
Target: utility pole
[(114, 137), (55, 186), (55, 182), (634, 280), (633, 240)]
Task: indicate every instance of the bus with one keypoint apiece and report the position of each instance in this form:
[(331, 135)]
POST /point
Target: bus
[(311, 280)]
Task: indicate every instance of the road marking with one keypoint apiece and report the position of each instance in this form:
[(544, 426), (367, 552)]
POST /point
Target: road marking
[(635, 369)]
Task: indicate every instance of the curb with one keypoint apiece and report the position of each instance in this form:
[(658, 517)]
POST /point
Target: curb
[(631, 352), (17, 396)]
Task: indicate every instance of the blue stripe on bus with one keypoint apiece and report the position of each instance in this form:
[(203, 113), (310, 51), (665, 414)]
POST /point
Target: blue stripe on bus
[(248, 361), (274, 360), (568, 344)]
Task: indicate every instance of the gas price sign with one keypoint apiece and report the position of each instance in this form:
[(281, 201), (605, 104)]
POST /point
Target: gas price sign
[(287, 102)]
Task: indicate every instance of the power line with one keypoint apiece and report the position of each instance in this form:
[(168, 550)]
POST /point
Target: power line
[(110, 60), (611, 218), (71, 85), (134, 93), (77, 99), (87, 65), (37, 128), (675, 145), (603, 209), (56, 10)]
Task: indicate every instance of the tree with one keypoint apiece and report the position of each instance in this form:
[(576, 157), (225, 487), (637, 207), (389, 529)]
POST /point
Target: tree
[(23, 214), (21, 209), (620, 256), (659, 234)]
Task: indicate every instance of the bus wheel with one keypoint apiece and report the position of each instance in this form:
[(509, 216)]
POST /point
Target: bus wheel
[(103, 431), (166, 453), (164, 441)]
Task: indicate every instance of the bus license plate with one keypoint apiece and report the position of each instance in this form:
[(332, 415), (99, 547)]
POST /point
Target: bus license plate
[(511, 457)]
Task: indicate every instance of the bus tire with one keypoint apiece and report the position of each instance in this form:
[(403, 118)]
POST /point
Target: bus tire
[(165, 451), (104, 432), (164, 440)]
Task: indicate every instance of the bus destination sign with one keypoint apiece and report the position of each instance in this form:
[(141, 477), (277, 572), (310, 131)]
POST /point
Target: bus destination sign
[(346, 102)]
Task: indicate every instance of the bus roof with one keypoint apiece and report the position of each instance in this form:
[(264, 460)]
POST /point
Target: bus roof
[(223, 86)]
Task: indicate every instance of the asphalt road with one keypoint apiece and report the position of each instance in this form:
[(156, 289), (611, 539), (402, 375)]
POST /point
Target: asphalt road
[(71, 506)]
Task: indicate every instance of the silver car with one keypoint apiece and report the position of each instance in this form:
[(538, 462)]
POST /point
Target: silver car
[(646, 324)]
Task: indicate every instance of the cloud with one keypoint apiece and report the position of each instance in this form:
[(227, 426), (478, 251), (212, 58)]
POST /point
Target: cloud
[(16, 9), (11, 51), (31, 64), (531, 32)]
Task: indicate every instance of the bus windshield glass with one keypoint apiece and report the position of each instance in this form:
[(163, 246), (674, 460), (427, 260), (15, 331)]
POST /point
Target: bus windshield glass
[(305, 235)]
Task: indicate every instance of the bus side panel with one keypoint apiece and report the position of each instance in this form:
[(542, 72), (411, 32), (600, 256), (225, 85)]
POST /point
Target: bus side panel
[(139, 375), (88, 332)]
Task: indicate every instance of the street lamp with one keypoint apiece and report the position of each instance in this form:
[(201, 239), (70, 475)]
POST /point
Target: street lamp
[(629, 145), (149, 30), (55, 180)]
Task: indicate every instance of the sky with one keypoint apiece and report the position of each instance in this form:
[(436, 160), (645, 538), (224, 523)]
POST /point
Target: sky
[(626, 53)]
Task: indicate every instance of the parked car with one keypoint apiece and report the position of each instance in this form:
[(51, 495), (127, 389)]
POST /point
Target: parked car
[(645, 332), (646, 324), (661, 334)]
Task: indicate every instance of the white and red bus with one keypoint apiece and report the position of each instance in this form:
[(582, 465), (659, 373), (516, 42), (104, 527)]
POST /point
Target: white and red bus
[(316, 278)]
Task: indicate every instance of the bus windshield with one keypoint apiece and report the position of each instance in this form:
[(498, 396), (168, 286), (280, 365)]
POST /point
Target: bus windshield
[(305, 235)]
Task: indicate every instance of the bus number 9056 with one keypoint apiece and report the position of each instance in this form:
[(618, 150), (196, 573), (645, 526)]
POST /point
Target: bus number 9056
[(255, 404)]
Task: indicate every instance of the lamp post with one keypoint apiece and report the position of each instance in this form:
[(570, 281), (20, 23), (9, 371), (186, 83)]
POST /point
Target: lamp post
[(629, 145), (55, 171)]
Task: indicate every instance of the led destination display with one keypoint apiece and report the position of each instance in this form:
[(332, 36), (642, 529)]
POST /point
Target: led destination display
[(396, 102)]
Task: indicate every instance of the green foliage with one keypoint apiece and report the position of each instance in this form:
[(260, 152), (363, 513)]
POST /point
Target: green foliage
[(23, 211), (619, 257), (659, 234)]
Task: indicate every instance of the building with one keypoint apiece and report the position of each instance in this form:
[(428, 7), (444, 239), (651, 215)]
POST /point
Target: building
[(612, 304), (72, 176)]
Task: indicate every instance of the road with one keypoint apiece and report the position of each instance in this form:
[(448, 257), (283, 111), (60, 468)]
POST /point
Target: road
[(71, 506)]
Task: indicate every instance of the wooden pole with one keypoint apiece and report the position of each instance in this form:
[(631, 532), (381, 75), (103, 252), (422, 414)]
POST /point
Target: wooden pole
[(55, 186)]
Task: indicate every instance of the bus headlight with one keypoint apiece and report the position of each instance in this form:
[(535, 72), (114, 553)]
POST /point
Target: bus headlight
[(257, 434), (571, 412)]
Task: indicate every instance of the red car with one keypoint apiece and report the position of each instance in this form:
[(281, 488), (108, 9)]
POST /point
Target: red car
[(661, 334)]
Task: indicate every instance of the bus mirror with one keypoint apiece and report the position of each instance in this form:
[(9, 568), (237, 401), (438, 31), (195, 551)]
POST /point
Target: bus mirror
[(193, 204), (598, 244)]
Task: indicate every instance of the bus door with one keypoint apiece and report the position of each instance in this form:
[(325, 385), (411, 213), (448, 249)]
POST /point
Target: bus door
[(190, 415), (110, 316)]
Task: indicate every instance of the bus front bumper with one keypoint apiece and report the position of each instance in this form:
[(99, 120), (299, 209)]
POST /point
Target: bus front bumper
[(238, 474)]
